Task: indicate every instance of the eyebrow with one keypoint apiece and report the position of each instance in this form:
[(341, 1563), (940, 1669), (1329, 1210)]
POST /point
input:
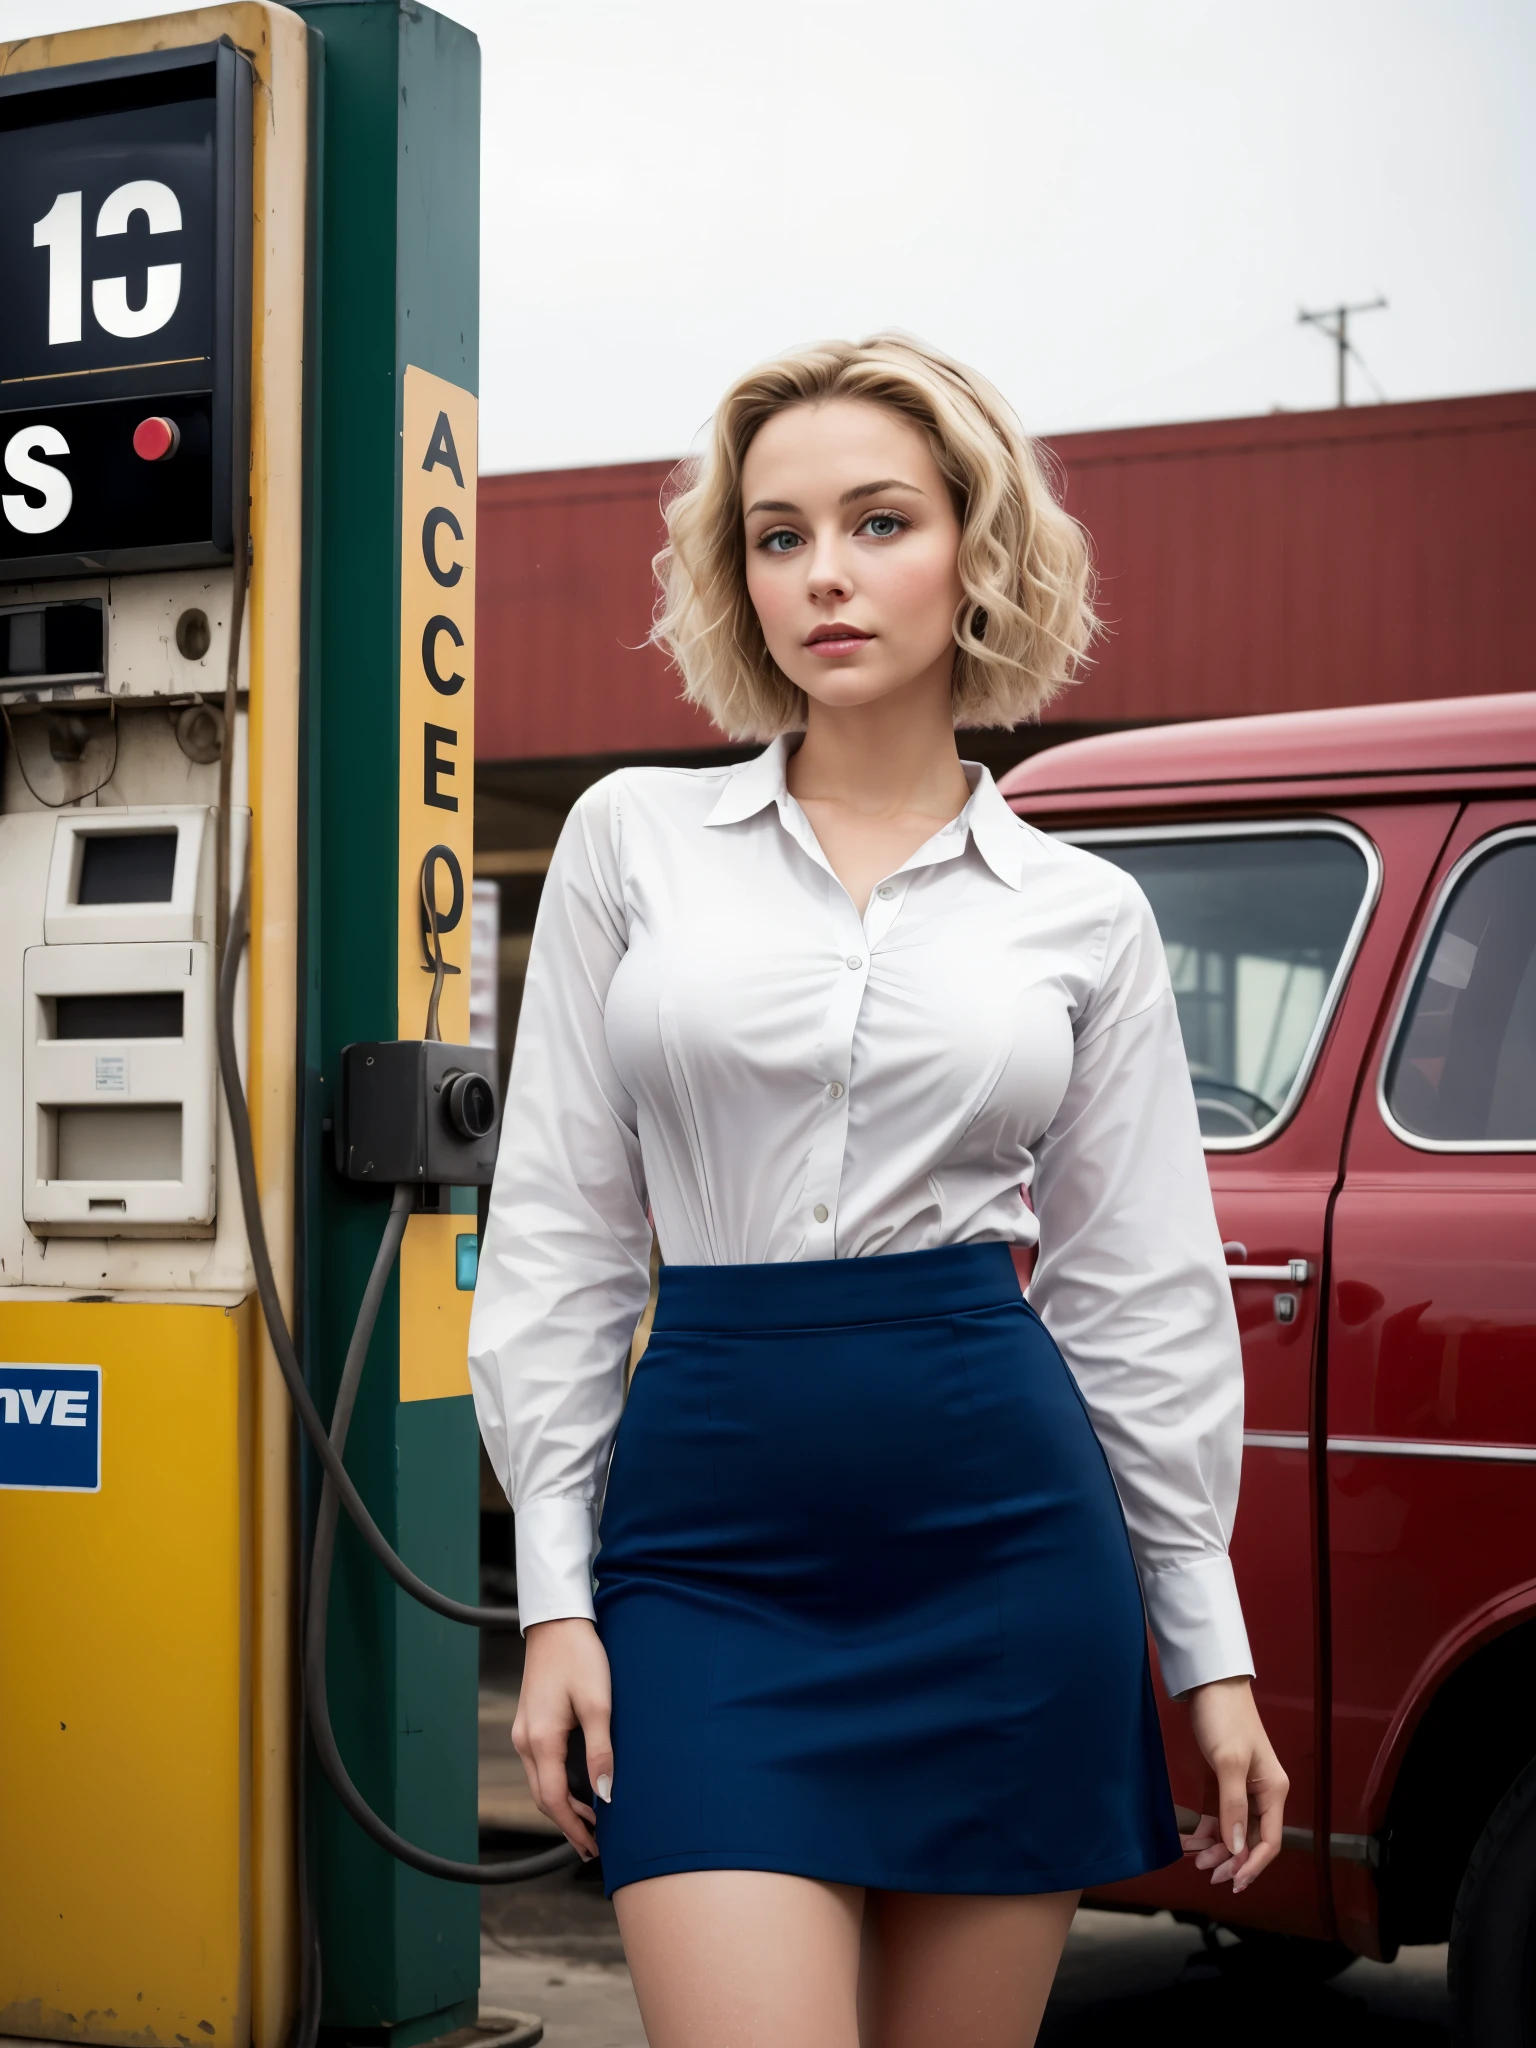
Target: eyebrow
[(886, 483)]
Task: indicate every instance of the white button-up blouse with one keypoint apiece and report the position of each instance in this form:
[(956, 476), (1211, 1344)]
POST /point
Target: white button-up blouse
[(710, 1029)]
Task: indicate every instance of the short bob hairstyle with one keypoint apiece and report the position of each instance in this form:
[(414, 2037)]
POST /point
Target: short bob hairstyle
[(1025, 624)]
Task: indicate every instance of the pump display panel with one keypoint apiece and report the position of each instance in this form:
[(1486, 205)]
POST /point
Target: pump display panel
[(124, 331)]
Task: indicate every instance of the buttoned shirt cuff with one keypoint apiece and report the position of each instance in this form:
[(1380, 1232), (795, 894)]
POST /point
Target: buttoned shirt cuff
[(554, 1560), (1197, 1623)]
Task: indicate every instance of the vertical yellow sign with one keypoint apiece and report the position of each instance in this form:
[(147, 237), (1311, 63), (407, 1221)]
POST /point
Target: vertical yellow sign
[(439, 473)]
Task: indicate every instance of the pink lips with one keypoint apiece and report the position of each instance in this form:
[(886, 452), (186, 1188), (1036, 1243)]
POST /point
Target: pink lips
[(837, 639)]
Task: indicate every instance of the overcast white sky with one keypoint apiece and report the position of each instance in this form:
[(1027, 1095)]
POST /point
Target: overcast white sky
[(1113, 207)]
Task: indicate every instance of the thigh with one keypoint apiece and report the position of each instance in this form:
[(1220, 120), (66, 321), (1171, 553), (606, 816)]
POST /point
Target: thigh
[(941, 1967), (743, 1959)]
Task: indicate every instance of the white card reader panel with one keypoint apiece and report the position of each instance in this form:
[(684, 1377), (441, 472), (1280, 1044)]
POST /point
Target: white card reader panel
[(119, 1072)]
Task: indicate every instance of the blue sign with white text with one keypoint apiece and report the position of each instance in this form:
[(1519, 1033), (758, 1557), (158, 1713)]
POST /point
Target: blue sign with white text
[(50, 1428)]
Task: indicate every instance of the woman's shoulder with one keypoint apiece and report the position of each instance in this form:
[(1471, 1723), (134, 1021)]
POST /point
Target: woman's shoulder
[(1106, 912), (658, 796), (1104, 888), (630, 822)]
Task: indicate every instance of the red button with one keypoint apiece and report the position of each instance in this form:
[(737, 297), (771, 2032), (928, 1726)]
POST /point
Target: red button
[(156, 439)]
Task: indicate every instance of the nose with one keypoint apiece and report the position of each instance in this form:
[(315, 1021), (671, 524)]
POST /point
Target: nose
[(828, 579)]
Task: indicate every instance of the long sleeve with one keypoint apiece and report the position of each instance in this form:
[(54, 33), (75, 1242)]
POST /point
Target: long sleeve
[(1131, 1283), (564, 1270)]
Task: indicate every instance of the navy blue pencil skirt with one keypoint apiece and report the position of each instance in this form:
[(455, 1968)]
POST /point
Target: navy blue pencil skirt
[(867, 1594)]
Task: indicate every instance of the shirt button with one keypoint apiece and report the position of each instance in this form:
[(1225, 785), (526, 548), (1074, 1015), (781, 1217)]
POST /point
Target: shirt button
[(854, 961), (885, 892), (834, 1089), (820, 1212)]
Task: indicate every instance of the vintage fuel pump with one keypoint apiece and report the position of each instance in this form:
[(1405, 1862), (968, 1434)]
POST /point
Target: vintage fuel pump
[(237, 516)]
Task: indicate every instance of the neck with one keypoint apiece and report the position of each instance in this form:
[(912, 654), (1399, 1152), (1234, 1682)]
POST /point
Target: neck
[(895, 755)]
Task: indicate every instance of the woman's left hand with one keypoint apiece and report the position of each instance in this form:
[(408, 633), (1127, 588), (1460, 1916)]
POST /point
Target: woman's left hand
[(1243, 1836)]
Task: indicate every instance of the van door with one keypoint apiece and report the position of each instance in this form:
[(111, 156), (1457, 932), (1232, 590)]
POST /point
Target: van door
[(1431, 1392), (1281, 935)]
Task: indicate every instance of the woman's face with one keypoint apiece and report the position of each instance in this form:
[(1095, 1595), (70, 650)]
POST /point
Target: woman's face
[(852, 551)]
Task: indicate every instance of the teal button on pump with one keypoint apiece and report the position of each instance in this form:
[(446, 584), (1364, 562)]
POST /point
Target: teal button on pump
[(466, 1261)]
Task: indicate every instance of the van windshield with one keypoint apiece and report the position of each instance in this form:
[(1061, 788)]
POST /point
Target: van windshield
[(1258, 929)]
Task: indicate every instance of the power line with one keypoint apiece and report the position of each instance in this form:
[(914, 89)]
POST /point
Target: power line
[(1338, 334)]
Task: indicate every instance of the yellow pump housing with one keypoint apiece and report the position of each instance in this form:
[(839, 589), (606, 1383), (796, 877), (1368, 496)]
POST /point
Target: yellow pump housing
[(147, 1767)]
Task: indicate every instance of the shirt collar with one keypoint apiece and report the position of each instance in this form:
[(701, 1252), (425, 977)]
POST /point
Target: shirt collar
[(752, 785), (999, 836)]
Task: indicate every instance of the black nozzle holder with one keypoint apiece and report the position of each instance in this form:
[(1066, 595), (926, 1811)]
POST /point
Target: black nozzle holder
[(413, 1109)]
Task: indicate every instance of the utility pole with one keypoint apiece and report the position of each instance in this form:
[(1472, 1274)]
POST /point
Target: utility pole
[(1338, 332)]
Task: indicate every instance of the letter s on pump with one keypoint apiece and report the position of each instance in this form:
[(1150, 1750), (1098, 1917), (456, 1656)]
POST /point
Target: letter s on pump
[(23, 467)]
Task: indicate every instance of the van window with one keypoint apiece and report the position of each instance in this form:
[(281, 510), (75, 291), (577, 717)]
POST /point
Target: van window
[(1463, 1071), (1259, 929)]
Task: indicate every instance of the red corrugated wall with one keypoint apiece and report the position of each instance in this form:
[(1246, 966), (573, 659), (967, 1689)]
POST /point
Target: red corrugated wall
[(1280, 563), (564, 597)]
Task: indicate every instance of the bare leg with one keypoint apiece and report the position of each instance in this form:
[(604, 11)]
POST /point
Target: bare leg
[(744, 1959), (971, 1969)]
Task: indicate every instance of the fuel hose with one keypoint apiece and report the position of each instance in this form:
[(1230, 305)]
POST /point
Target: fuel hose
[(337, 1488)]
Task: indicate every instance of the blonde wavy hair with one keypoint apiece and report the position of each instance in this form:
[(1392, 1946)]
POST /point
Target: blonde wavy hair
[(1026, 622)]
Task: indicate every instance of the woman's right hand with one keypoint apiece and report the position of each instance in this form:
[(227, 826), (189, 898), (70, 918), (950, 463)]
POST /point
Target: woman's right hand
[(565, 1686)]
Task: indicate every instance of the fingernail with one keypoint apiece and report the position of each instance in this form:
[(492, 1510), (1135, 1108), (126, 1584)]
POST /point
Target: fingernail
[(605, 1788), (1237, 1839)]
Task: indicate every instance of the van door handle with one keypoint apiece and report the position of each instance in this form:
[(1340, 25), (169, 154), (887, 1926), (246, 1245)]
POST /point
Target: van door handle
[(1294, 1273)]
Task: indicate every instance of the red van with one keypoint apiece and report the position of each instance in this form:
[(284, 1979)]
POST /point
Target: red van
[(1348, 902)]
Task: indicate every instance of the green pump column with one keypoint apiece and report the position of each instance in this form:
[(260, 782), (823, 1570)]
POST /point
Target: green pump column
[(396, 285)]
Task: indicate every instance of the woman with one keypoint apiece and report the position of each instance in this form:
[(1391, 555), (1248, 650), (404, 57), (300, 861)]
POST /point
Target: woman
[(876, 1564)]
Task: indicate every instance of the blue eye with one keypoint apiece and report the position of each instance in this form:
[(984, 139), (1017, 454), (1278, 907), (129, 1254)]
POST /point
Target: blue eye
[(771, 541), (883, 525)]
